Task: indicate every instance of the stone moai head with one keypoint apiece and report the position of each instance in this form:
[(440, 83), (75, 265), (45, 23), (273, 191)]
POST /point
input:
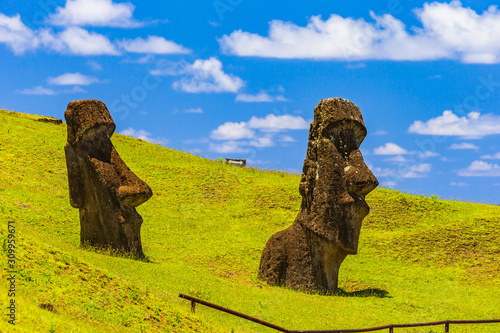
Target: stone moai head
[(100, 183), (334, 183), (335, 178)]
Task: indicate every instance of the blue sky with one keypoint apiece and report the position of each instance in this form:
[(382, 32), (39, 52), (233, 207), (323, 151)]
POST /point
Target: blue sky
[(240, 78)]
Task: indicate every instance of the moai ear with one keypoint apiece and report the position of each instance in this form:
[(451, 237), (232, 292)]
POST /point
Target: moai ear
[(76, 188)]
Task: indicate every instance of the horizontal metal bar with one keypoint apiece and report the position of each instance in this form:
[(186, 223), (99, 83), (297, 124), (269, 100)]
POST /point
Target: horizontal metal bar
[(370, 329), (235, 313)]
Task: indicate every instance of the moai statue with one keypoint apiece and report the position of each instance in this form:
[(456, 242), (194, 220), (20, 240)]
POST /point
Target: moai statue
[(100, 183), (334, 183)]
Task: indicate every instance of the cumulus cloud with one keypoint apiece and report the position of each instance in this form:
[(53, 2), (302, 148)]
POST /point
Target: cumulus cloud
[(463, 145), (204, 76), (474, 125), (384, 38), (72, 79), (390, 149), (397, 159), (427, 154), (99, 13), (495, 156), (78, 41), (259, 98), (424, 167), (272, 122), (388, 184), (263, 141), (143, 135), (257, 132), (286, 138), (152, 45), (18, 37), (40, 90), (403, 171), (232, 131), (480, 169)]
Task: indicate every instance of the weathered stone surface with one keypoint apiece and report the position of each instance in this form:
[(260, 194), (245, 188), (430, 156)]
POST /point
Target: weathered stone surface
[(100, 183), (334, 183)]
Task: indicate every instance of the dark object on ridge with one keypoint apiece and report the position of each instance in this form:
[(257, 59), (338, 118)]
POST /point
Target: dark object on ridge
[(50, 120)]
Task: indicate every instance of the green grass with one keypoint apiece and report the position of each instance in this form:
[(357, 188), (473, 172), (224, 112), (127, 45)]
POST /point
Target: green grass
[(420, 259)]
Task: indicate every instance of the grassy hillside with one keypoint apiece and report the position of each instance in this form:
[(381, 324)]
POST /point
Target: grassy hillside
[(420, 259)]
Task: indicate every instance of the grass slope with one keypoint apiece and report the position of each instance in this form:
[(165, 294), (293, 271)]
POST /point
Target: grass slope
[(420, 259)]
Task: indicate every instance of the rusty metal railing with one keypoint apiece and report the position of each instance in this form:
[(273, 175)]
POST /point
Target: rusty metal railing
[(391, 327)]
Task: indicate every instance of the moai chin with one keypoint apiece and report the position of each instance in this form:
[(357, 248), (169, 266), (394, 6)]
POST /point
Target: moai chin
[(334, 183), (100, 183)]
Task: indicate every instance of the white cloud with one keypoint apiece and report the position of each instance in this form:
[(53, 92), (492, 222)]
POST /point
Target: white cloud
[(480, 169), (258, 132), (286, 138), (449, 31), (152, 45), (388, 184), (380, 132), (72, 79), (473, 126), (100, 13), (73, 40), (227, 147), (16, 35), (424, 167), (94, 65), (427, 154), (259, 98), (78, 41), (143, 135), (194, 110), (40, 90), (275, 123), (463, 145), (403, 171), (460, 184), (495, 156), (390, 149), (263, 141), (397, 159), (232, 131), (205, 76), (386, 172)]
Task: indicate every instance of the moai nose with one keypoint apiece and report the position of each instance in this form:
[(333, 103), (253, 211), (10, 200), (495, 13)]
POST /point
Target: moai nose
[(359, 178)]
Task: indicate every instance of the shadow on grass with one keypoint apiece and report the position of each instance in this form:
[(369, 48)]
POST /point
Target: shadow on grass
[(369, 292), (109, 251)]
